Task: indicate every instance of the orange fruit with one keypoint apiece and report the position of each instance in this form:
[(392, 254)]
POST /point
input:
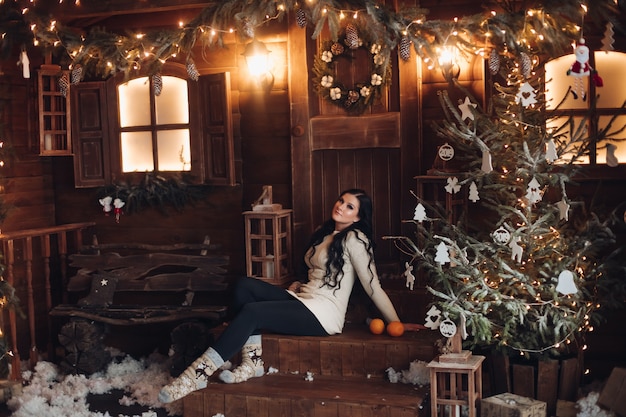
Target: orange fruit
[(395, 329), (377, 326)]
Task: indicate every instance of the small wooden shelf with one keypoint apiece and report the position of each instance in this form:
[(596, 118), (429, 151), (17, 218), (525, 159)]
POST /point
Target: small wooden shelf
[(268, 245), (54, 116)]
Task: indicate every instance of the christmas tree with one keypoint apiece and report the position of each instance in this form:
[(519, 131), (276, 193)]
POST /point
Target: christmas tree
[(527, 269)]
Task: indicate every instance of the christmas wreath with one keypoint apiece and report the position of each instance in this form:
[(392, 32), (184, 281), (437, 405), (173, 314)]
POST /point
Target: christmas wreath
[(357, 98)]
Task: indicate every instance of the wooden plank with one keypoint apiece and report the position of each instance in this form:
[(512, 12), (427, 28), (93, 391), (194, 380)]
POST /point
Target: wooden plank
[(271, 352), (289, 355), (347, 132), (279, 407), (349, 410), (257, 406), (234, 405), (524, 380), (326, 409), (375, 359), (569, 379), (330, 361), (353, 359), (547, 383), (310, 356), (500, 373)]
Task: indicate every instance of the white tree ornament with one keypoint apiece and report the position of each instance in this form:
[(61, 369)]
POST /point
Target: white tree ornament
[(473, 192), (408, 273), (453, 186), (442, 256), (566, 283), (533, 192), (526, 95), (433, 318), (466, 111), (420, 213), (551, 154)]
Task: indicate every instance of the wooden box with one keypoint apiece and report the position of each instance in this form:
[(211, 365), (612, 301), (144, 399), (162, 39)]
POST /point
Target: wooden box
[(511, 405), (613, 395)]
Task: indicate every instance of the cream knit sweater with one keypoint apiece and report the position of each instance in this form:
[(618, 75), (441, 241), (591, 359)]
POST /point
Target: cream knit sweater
[(330, 304)]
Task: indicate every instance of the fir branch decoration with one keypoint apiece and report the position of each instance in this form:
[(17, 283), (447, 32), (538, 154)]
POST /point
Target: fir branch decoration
[(155, 191)]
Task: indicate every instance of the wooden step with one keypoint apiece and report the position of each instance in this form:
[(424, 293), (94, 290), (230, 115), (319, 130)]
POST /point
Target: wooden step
[(348, 373), (292, 395)]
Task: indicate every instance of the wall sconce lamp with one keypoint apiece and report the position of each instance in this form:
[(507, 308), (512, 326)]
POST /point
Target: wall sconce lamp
[(448, 63), (258, 62)]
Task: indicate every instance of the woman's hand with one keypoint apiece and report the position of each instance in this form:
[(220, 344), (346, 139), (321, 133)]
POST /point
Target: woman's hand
[(413, 327), (295, 286)]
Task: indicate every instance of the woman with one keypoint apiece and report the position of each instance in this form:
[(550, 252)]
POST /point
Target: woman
[(339, 251)]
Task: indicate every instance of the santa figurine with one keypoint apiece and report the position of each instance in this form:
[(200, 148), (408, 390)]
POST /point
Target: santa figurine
[(581, 68)]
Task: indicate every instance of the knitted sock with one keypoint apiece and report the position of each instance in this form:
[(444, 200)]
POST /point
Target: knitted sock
[(193, 378), (251, 363)]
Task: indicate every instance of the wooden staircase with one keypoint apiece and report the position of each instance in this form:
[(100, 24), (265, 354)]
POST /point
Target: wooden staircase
[(335, 376)]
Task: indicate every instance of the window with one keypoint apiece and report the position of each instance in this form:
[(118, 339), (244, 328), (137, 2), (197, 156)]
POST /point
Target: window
[(122, 128), (154, 130), (601, 111)]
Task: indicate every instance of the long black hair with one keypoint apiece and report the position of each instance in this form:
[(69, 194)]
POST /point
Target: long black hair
[(335, 262)]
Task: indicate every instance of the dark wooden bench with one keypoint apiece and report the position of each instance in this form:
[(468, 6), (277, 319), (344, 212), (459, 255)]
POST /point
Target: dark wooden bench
[(133, 272)]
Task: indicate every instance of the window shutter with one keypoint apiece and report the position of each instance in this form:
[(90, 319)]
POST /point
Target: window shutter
[(90, 130), (217, 131)]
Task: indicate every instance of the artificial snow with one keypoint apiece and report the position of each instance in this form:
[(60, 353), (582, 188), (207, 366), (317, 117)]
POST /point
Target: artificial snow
[(417, 374), (49, 392)]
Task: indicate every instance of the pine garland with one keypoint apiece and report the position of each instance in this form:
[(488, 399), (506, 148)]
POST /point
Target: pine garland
[(155, 191)]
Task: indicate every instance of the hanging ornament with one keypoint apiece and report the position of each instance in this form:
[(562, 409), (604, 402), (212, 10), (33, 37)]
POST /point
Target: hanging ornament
[(533, 192), (64, 84), (453, 186), (337, 49), (566, 285), (420, 213), (408, 273), (473, 192), (352, 98), (486, 167), (118, 204), (405, 48), (442, 257), (494, 62), (465, 107), (563, 207), (433, 318), (516, 250), (501, 235), (447, 328), (192, 71), (463, 326), (608, 39), (551, 154), (581, 68), (247, 27), (76, 74), (300, 18), (526, 95), (526, 64), (446, 152), (611, 159), (106, 204), (25, 63), (352, 36), (157, 84)]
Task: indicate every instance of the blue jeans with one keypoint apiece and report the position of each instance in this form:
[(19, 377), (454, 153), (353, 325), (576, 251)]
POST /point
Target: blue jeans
[(260, 306)]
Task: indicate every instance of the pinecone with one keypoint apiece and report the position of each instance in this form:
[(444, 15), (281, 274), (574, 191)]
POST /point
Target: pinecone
[(64, 84), (526, 64), (300, 18), (77, 74), (352, 98), (494, 62), (352, 36), (157, 84), (405, 48), (337, 48), (192, 71)]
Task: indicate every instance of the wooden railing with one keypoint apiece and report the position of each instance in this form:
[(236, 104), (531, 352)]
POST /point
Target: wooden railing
[(19, 249)]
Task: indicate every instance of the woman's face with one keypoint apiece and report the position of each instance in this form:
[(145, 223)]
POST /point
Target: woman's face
[(346, 211)]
